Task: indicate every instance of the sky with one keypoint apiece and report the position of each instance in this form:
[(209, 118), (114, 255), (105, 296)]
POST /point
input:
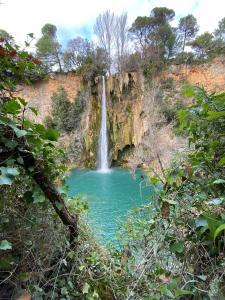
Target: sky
[(76, 17)]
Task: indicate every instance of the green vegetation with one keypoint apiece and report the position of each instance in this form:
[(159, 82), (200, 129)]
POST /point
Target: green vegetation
[(203, 45), (156, 42), (171, 249), (176, 244), (187, 28), (45, 249), (66, 115), (48, 48)]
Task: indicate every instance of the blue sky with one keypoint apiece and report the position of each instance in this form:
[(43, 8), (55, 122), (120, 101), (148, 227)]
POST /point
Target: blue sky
[(76, 17)]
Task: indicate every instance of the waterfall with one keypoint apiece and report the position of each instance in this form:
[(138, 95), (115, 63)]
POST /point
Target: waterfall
[(103, 139)]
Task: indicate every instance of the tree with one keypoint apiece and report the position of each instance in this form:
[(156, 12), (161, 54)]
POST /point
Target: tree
[(121, 39), (220, 31), (202, 44), (77, 53), (162, 15), (48, 47), (104, 30), (162, 35), (94, 64), (49, 29), (219, 38), (6, 36), (156, 31), (66, 115), (61, 108), (100, 62), (187, 29), (140, 31)]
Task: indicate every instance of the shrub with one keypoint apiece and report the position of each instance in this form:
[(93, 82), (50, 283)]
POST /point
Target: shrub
[(174, 247), (66, 115)]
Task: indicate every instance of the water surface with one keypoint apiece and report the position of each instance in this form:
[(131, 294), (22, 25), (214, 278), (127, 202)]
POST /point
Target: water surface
[(110, 196)]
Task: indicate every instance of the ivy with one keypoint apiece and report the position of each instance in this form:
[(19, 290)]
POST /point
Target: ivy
[(5, 245)]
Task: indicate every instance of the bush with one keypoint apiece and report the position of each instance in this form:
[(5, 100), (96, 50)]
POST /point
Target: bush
[(174, 247), (185, 58), (66, 115)]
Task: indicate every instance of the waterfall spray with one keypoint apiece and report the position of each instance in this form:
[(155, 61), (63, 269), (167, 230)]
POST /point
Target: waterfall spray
[(103, 139)]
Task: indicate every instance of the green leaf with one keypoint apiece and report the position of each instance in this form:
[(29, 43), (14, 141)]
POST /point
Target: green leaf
[(182, 292), (182, 115), (213, 223), (202, 277), (219, 98), (201, 222), (170, 201), (81, 267), (5, 245), (19, 132), (34, 110), (165, 291), (219, 230), (59, 205), (5, 180), (177, 247), (215, 114), (28, 196), (11, 144), (6, 261), (85, 288), (95, 295), (40, 129), (38, 198), (31, 35), (221, 161), (22, 101), (189, 91), (20, 160), (12, 171), (51, 134), (64, 262), (219, 181), (215, 201), (7, 174), (12, 107), (35, 196)]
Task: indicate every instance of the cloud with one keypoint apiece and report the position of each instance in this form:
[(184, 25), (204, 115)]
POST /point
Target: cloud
[(76, 17)]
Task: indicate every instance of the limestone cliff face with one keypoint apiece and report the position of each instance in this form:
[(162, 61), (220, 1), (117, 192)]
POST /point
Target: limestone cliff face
[(124, 113), (210, 75), (39, 94), (127, 108), (91, 124)]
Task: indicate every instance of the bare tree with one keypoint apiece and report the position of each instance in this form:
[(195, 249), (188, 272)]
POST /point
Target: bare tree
[(77, 52), (104, 29), (121, 39)]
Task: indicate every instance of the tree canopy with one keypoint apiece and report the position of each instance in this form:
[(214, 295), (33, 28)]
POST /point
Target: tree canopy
[(187, 29), (48, 47)]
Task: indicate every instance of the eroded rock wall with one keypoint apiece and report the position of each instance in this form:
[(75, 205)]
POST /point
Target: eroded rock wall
[(129, 116), (125, 109), (39, 94), (210, 75)]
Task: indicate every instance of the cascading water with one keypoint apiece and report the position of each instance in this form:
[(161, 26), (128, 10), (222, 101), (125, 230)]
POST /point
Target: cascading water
[(103, 139)]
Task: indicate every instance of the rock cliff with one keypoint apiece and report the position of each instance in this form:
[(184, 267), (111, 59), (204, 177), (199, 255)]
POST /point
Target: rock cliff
[(130, 106)]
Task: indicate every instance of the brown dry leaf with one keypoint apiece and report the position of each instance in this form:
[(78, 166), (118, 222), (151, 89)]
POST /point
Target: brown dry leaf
[(25, 296), (165, 210), (164, 278)]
